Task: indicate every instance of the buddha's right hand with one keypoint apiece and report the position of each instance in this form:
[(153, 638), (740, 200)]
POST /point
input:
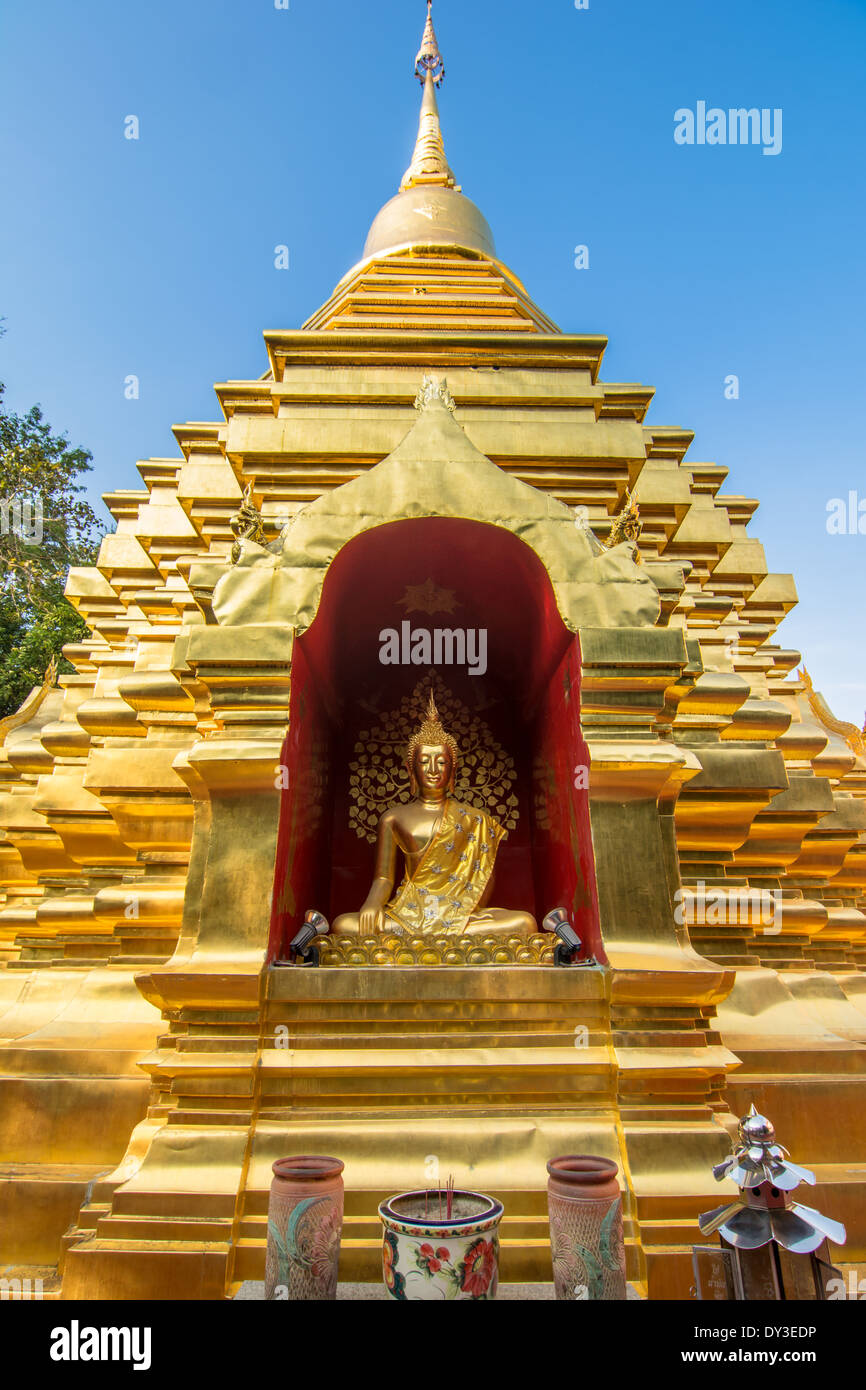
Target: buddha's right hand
[(372, 920)]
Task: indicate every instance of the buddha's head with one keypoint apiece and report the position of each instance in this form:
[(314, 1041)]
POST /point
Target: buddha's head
[(431, 756)]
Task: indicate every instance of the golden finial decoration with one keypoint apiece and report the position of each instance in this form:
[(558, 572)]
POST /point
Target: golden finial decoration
[(626, 527), (429, 164), (853, 736), (428, 59), (432, 734), (247, 524), (31, 705), (432, 389)]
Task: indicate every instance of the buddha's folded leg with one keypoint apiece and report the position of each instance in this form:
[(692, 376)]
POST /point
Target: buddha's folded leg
[(347, 924), (500, 921)]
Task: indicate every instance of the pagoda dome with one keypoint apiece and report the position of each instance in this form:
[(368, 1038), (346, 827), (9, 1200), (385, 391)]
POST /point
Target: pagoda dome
[(429, 215)]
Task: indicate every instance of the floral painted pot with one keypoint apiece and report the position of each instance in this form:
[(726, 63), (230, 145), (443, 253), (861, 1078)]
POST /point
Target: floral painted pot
[(426, 1259), (585, 1206), (305, 1221)]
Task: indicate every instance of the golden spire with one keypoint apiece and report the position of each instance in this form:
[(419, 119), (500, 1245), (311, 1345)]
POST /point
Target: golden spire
[(429, 165), (428, 58)]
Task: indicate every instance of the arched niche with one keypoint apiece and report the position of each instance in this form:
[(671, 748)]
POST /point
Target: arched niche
[(528, 696)]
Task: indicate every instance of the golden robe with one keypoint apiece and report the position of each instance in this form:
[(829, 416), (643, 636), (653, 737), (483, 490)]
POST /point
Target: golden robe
[(444, 890)]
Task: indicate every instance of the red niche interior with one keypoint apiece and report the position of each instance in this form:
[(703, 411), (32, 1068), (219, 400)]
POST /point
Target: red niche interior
[(529, 695)]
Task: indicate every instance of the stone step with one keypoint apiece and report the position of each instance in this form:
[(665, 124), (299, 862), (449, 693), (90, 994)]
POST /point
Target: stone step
[(139, 1228), (521, 1259), (208, 1114), (124, 1269), (300, 1042), (38, 1202), (367, 1226)]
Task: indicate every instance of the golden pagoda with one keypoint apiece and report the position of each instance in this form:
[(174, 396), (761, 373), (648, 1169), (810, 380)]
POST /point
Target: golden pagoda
[(428, 449)]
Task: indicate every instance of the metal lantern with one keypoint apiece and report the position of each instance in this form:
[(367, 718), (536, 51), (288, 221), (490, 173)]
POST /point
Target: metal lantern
[(771, 1246)]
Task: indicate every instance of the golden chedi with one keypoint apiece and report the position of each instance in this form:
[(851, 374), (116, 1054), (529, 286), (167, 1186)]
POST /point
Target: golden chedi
[(157, 1055)]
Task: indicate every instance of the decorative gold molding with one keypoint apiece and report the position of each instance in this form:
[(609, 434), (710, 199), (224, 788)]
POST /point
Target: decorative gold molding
[(390, 949), (428, 58), (31, 705), (626, 527), (822, 712), (434, 389), (247, 524)]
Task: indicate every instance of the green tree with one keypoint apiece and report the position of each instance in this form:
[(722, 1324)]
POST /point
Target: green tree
[(46, 525)]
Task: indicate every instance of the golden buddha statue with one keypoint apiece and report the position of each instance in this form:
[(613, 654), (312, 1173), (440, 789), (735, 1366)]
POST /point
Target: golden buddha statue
[(449, 851)]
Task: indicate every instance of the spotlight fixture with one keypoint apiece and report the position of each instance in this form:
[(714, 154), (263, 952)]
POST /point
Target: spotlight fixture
[(301, 944), (569, 943)]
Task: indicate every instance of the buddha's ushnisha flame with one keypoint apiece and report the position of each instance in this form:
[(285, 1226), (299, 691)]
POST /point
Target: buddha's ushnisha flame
[(431, 734)]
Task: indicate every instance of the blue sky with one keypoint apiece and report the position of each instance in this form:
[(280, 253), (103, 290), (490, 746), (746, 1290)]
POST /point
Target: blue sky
[(262, 126)]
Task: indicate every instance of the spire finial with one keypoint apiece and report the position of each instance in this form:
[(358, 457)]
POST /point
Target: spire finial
[(428, 58), (429, 164)]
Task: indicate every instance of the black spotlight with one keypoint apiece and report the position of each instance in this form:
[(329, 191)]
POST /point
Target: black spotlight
[(569, 943), (302, 945)]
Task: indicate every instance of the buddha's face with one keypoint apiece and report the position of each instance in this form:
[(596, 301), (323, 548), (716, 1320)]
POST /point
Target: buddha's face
[(432, 768)]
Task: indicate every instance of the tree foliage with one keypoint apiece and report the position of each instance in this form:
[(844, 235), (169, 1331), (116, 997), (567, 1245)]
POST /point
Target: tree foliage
[(46, 525), (25, 651), (39, 493)]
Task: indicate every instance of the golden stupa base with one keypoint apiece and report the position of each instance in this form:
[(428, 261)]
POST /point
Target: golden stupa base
[(410, 1075)]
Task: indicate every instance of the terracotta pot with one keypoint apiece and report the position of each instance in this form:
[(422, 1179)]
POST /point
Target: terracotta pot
[(585, 1206), (428, 1260), (305, 1220)]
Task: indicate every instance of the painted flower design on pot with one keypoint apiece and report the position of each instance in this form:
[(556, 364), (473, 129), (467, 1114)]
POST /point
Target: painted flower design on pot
[(324, 1244), (430, 1261), (395, 1282), (479, 1267), (565, 1268), (611, 1242), (311, 1240)]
